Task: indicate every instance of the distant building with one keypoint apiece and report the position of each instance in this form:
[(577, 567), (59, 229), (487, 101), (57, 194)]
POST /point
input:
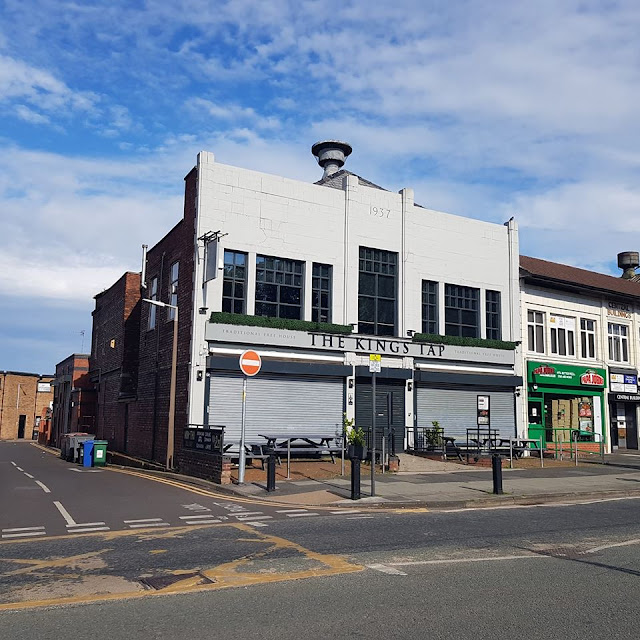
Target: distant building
[(23, 396), (74, 398)]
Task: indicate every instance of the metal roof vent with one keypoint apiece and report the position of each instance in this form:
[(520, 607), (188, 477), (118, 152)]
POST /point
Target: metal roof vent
[(331, 155), (628, 261)]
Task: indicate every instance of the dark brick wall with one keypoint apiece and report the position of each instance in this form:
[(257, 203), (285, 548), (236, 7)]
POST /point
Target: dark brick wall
[(210, 466)]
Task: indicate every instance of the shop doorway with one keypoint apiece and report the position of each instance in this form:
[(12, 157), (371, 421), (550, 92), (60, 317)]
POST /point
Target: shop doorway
[(624, 426), (390, 414)]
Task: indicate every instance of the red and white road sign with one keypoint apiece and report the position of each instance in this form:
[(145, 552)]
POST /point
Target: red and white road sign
[(250, 363)]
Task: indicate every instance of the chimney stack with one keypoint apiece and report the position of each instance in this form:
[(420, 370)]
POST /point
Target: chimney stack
[(331, 155), (628, 261)]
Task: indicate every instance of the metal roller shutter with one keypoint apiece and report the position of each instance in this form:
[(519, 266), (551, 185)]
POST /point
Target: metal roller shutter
[(455, 408), (276, 404)]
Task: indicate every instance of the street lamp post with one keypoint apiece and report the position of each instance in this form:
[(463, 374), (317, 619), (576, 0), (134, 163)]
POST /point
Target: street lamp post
[(172, 387)]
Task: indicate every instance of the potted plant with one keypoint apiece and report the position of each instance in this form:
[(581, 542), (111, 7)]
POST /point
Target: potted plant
[(357, 443)]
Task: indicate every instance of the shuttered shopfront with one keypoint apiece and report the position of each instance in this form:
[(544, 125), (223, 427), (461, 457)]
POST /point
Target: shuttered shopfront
[(276, 403)]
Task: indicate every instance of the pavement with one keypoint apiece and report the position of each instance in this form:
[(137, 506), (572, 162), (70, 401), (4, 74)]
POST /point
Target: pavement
[(441, 485)]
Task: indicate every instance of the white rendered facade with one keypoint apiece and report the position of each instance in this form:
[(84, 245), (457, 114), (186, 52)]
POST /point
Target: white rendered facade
[(266, 215)]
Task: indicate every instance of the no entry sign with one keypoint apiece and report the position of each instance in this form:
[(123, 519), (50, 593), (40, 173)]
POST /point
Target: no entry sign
[(250, 363)]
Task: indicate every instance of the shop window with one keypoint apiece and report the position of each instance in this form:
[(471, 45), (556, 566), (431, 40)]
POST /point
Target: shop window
[(618, 342), (173, 290), (535, 331), (321, 293), (234, 283), (429, 307), (562, 329), (461, 311), (377, 287), (587, 338), (494, 321), (153, 307), (279, 284)]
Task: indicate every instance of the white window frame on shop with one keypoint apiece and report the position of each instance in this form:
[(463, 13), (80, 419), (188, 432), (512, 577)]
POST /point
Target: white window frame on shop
[(152, 309), (535, 331), (587, 338), (618, 335), (562, 335)]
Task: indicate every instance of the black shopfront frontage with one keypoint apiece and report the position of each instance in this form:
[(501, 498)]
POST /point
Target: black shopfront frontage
[(624, 404)]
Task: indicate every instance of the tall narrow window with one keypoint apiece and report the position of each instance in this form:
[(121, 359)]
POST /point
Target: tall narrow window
[(152, 307), (377, 286), (429, 306), (494, 315), (587, 338), (535, 331), (173, 290), (234, 283), (563, 329), (618, 342), (321, 293), (461, 312), (279, 287)]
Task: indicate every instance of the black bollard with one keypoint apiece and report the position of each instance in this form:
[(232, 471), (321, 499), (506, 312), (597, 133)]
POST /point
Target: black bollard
[(496, 467), (355, 478), (271, 472)]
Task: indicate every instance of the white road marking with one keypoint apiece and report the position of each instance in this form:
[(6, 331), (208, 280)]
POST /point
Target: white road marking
[(247, 513), (301, 515), (202, 521), (21, 529), (144, 520), (87, 470), (13, 463), (626, 543), (363, 517), (346, 511), (86, 524), (24, 534), (149, 524), (43, 486), (87, 529), (412, 563), (255, 518), (64, 513), (258, 524), (383, 568), (28, 475), (195, 507), (290, 510), (197, 516), (19, 468)]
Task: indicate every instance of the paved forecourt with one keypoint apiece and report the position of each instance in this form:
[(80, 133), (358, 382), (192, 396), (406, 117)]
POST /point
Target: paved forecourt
[(43, 495)]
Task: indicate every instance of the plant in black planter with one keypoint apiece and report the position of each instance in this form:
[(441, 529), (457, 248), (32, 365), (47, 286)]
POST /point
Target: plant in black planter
[(357, 443)]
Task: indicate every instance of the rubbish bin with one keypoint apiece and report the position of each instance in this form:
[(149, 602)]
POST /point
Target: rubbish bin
[(100, 453), (74, 445), (86, 453)]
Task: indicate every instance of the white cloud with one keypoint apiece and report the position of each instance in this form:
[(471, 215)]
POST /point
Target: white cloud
[(28, 115)]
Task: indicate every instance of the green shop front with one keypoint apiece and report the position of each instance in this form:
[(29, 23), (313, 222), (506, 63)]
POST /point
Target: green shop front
[(564, 399)]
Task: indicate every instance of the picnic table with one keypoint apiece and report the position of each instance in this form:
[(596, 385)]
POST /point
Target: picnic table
[(253, 449), (288, 442)]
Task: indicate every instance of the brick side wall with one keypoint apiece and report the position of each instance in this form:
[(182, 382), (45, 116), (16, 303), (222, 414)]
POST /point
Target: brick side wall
[(210, 466), (19, 397)]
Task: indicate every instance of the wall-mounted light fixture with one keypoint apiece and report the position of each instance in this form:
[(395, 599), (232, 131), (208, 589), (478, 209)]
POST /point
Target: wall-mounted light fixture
[(350, 384), (199, 375), (535, 387), (410, 332), (203, 310), (409, 385)]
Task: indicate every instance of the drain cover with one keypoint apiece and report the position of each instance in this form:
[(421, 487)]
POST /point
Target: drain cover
[(162, 582)]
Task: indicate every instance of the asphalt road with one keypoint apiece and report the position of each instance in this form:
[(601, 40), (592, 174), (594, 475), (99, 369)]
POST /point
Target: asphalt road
[(538, 572)]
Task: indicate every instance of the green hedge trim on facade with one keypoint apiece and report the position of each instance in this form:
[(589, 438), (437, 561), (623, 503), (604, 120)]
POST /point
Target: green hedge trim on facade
[(465, 342), (222, 317)]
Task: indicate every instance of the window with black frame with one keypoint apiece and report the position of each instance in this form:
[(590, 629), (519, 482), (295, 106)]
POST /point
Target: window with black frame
[(234, 285), (377, 292), (494, 320), (279, 286), (429, 307), (461, 315), (321, 293)]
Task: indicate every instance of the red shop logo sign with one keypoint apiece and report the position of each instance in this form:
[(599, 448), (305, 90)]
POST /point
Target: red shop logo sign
[(544, 370), (592, 378)]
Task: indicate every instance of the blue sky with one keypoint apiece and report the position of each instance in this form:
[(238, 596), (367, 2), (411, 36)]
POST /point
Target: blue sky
[(487, 109)]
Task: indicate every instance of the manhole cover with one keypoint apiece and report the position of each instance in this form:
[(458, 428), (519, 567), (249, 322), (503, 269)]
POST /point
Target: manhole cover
[(162, 582)]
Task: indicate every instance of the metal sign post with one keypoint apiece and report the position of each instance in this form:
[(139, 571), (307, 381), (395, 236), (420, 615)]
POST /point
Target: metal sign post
[(374, 367), (250, 364)]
